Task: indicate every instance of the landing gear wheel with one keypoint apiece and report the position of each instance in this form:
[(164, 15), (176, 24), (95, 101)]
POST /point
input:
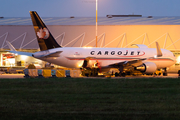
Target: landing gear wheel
[(178, 72), (87, 74), (165, 72), (123, 74), (116, 74)]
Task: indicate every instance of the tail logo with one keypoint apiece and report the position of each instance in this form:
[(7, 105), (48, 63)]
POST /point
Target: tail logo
[(43, 33)]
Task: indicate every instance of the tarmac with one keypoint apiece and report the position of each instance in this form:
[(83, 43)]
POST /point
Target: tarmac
[(170, 75), (11, 76)]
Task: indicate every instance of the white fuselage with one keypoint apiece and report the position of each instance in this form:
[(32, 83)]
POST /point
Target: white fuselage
[(72, 57)]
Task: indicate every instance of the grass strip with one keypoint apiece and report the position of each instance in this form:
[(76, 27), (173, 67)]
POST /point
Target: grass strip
[(80, 98)]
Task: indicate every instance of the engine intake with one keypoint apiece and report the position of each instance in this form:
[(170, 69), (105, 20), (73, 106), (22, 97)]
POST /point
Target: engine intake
[(147, 67)]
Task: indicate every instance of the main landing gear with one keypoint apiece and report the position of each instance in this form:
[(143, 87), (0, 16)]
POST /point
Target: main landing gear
[(165, 72), (121, 72)]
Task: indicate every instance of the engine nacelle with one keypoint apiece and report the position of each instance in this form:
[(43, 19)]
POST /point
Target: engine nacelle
[(147, 67)]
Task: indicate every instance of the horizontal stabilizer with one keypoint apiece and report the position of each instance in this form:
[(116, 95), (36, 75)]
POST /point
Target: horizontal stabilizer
[(21, 53), (56, 54), (43, 54)]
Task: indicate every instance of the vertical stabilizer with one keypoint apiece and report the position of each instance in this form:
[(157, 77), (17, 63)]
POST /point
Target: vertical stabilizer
[(45, 39)]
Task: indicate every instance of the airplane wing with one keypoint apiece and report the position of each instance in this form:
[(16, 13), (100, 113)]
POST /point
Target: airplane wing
[(133, 63), (136, 62)]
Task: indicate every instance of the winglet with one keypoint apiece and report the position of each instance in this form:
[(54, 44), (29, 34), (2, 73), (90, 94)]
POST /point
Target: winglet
[(10, 46), (159, 52)]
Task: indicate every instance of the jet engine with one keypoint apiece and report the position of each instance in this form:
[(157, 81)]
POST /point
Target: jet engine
[(147, 68)]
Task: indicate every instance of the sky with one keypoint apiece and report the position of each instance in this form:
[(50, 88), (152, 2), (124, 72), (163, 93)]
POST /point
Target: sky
[(87, 8)]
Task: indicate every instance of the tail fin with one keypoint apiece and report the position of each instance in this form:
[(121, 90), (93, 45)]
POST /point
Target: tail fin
[(45, 39)]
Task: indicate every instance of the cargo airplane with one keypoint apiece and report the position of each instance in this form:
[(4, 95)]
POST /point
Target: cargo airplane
[(144, 59)]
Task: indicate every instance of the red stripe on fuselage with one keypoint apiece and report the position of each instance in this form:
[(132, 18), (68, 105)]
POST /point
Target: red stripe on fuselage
[(125, 59)]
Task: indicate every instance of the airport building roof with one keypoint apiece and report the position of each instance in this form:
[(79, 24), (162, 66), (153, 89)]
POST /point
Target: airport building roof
[(151, 20), (79, 32)]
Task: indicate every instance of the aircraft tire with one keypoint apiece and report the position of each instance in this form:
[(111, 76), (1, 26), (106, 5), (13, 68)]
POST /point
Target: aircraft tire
[(178, 72), (87, 74), (123, 74), (116, 74), (165, 74)]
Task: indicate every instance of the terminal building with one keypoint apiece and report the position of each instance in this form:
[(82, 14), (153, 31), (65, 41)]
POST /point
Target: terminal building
[(120, 31)]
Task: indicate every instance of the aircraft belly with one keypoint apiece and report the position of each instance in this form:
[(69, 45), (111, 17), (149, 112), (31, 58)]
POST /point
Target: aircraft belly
[(62, 61), (108, 62), (164, 64)]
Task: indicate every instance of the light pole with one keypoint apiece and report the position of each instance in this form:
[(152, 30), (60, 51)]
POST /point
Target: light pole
[(96, 20)]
